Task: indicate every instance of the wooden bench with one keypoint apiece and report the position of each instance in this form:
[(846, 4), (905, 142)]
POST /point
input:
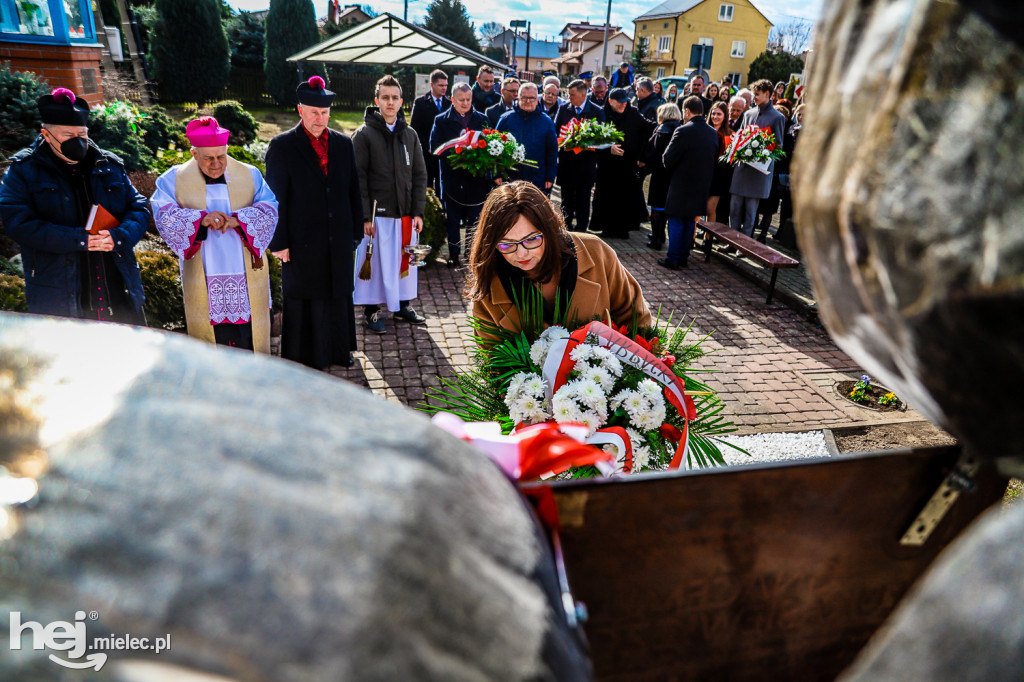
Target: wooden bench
[(762, 253)]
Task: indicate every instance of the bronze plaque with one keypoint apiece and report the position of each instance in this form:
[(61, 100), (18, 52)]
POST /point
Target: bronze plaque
[(767, 572)]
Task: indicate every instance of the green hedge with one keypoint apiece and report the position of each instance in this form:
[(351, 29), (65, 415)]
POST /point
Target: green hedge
[(12, 293), (161, 280)]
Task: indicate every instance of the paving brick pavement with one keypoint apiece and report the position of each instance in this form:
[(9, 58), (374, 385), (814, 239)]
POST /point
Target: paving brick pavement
[(773, 365)]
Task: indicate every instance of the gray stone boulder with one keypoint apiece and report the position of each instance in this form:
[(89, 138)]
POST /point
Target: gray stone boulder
[(910, 204), (279, 524)]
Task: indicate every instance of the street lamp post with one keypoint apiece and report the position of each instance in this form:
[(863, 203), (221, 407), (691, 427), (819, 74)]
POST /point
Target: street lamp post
[(604, 52)]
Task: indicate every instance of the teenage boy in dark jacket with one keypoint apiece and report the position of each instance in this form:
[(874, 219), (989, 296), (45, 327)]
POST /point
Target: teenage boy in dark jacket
[(392, 175), (45, 201)]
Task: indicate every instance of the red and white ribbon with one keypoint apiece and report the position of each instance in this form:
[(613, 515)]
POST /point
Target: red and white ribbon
[(468, 138), (558, 364), (531, 452)]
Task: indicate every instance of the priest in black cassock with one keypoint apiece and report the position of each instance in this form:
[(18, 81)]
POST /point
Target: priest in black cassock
[(312, 171)]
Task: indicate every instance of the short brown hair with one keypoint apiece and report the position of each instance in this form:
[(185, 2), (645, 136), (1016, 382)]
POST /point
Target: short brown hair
[(764, 85), (437, 74), (387, 81), (578, 86), (694, 105), (508, 80), (504, 205), (484, 69)]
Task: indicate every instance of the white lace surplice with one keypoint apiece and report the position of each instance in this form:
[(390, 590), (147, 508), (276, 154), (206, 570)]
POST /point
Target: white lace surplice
[(222, 252)]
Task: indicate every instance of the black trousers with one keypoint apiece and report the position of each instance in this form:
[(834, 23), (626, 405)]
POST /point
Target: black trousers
[(457, 215), (576, 180), (234, 335), (433, 172)]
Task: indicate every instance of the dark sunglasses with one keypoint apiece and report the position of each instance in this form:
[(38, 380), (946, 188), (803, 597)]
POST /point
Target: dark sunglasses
[(530, 243)]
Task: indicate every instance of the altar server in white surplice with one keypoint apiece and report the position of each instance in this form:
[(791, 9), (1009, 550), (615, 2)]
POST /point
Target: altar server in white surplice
[(392, 176), (221, 210)]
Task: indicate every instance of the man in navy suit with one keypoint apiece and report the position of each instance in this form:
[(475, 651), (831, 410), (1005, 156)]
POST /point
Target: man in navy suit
[(461, 193), (577, 172), (424, 110), (690, 158)]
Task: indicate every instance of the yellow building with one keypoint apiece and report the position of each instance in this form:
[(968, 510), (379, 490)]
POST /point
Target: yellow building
[(736, 31)]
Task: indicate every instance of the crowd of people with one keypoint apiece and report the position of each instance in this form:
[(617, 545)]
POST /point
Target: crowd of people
[(339, 211)]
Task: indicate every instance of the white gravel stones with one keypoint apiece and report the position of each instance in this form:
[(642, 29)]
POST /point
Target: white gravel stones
[(774, 447)]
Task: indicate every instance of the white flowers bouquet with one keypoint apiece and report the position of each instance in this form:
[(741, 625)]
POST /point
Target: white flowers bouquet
[(625, 388), (755, 147)]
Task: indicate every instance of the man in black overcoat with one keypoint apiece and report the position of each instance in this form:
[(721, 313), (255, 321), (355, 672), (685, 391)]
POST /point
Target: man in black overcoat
[(690, 158), (619, 204), (462, 193), (424, 110), (312, 171), (577, 172)]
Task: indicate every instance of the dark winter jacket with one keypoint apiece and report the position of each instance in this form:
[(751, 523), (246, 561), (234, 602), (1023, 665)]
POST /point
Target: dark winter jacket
[(535, 131), (40, 212), (495, 112), (648, 106), (655, 166), (458, 184), (320, 216), (690, 161), (391, 167), (482, 101)]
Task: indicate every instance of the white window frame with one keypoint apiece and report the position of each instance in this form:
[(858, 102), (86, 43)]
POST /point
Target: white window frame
[(659, 73), (664, 44), (735, 78), (618, 49), (739, 49), (710, 42), (646, 40), (726, 11)]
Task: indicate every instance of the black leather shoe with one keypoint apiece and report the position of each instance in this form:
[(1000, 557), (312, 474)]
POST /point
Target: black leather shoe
[(454, 261), (654, 244), (666, 263)]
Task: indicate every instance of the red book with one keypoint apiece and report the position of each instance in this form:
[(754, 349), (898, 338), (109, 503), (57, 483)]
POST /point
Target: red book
[(100, 219)]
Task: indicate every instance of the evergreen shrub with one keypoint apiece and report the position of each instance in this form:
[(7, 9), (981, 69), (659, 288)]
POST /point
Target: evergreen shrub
[(233, 116), (12, 293), (189, 50), (161, 280), (19, 116)]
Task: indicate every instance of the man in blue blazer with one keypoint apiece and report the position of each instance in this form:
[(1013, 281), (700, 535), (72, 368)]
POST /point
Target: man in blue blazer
[(690, 158), (461, 193), (577, 172)]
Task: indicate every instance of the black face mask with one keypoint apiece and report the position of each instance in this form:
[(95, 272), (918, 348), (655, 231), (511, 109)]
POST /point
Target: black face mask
[(74, 148)]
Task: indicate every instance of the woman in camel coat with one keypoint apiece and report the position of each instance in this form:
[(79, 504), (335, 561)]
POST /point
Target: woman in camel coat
[(521, 243)]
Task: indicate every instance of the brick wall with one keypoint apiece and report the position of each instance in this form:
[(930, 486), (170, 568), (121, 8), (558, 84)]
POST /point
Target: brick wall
[(76, 67)]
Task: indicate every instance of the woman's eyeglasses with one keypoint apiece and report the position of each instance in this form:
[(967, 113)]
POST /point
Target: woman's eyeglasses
[(530, 243)]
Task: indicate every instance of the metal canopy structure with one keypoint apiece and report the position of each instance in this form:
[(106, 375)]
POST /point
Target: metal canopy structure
[(388, 40)]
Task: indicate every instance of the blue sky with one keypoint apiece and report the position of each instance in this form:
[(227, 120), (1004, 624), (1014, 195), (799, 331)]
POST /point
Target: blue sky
[(549, 16)]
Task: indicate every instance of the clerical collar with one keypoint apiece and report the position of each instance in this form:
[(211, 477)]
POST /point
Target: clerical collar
[(222, 180)]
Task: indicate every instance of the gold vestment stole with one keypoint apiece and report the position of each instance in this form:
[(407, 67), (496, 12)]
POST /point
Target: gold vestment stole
[(190, 191)]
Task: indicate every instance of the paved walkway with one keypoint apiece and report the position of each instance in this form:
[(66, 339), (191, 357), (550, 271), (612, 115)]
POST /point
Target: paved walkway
[(774, 366)]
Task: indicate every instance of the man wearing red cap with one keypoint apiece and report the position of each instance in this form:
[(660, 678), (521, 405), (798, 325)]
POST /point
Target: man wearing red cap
[(46, 199), (313, 173), (222, 211)]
